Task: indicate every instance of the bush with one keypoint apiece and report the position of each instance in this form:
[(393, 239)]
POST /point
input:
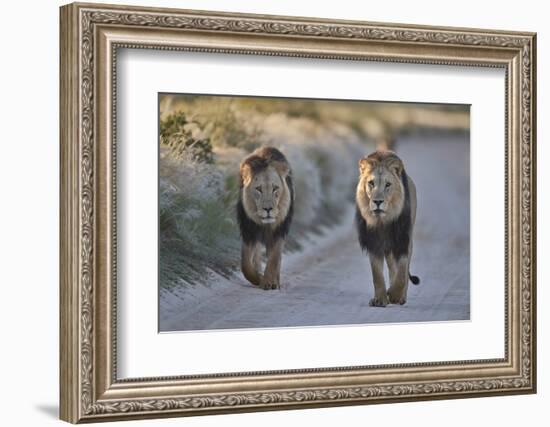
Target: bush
[(197, 222), (183, 137)]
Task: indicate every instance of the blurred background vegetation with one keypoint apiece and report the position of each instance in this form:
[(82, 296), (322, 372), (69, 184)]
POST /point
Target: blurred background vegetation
[(204, 138)]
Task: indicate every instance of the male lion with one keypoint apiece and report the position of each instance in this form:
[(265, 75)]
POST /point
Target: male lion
[(386, 212), (264, 213)]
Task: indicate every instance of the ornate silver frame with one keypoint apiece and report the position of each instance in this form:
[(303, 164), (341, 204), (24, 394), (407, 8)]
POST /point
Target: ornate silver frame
[(90, 36)]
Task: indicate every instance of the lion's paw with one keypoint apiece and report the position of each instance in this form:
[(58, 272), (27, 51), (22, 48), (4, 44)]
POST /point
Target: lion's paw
[(269, 283), (379, 301), (396, 296)]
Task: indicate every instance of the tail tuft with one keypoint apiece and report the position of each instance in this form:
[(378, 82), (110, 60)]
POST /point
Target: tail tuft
[(414, 279)]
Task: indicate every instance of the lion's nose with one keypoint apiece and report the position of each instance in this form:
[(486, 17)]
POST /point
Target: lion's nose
[(268, 210), (378, 202)]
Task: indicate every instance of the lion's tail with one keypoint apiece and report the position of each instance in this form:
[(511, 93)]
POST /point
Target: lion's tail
[(414, 279)]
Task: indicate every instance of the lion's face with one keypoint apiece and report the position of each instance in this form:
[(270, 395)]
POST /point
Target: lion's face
[(265, 194), (380, 188), (380, 192)]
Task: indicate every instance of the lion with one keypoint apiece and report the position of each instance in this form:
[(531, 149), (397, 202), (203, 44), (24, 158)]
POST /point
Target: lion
[(385, 217), (264, 214)]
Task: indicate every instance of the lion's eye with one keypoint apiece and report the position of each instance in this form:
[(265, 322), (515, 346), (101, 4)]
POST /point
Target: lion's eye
[(371, 183), (388, 184), (275, 188), (259, 189)]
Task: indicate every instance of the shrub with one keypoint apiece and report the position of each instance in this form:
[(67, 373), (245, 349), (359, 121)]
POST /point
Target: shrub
[(182, 137)]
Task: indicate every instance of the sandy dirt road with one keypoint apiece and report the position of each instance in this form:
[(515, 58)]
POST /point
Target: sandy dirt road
[(330, 283)]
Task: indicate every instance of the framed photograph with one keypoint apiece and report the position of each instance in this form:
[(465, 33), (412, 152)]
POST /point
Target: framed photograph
[(266, 212)]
